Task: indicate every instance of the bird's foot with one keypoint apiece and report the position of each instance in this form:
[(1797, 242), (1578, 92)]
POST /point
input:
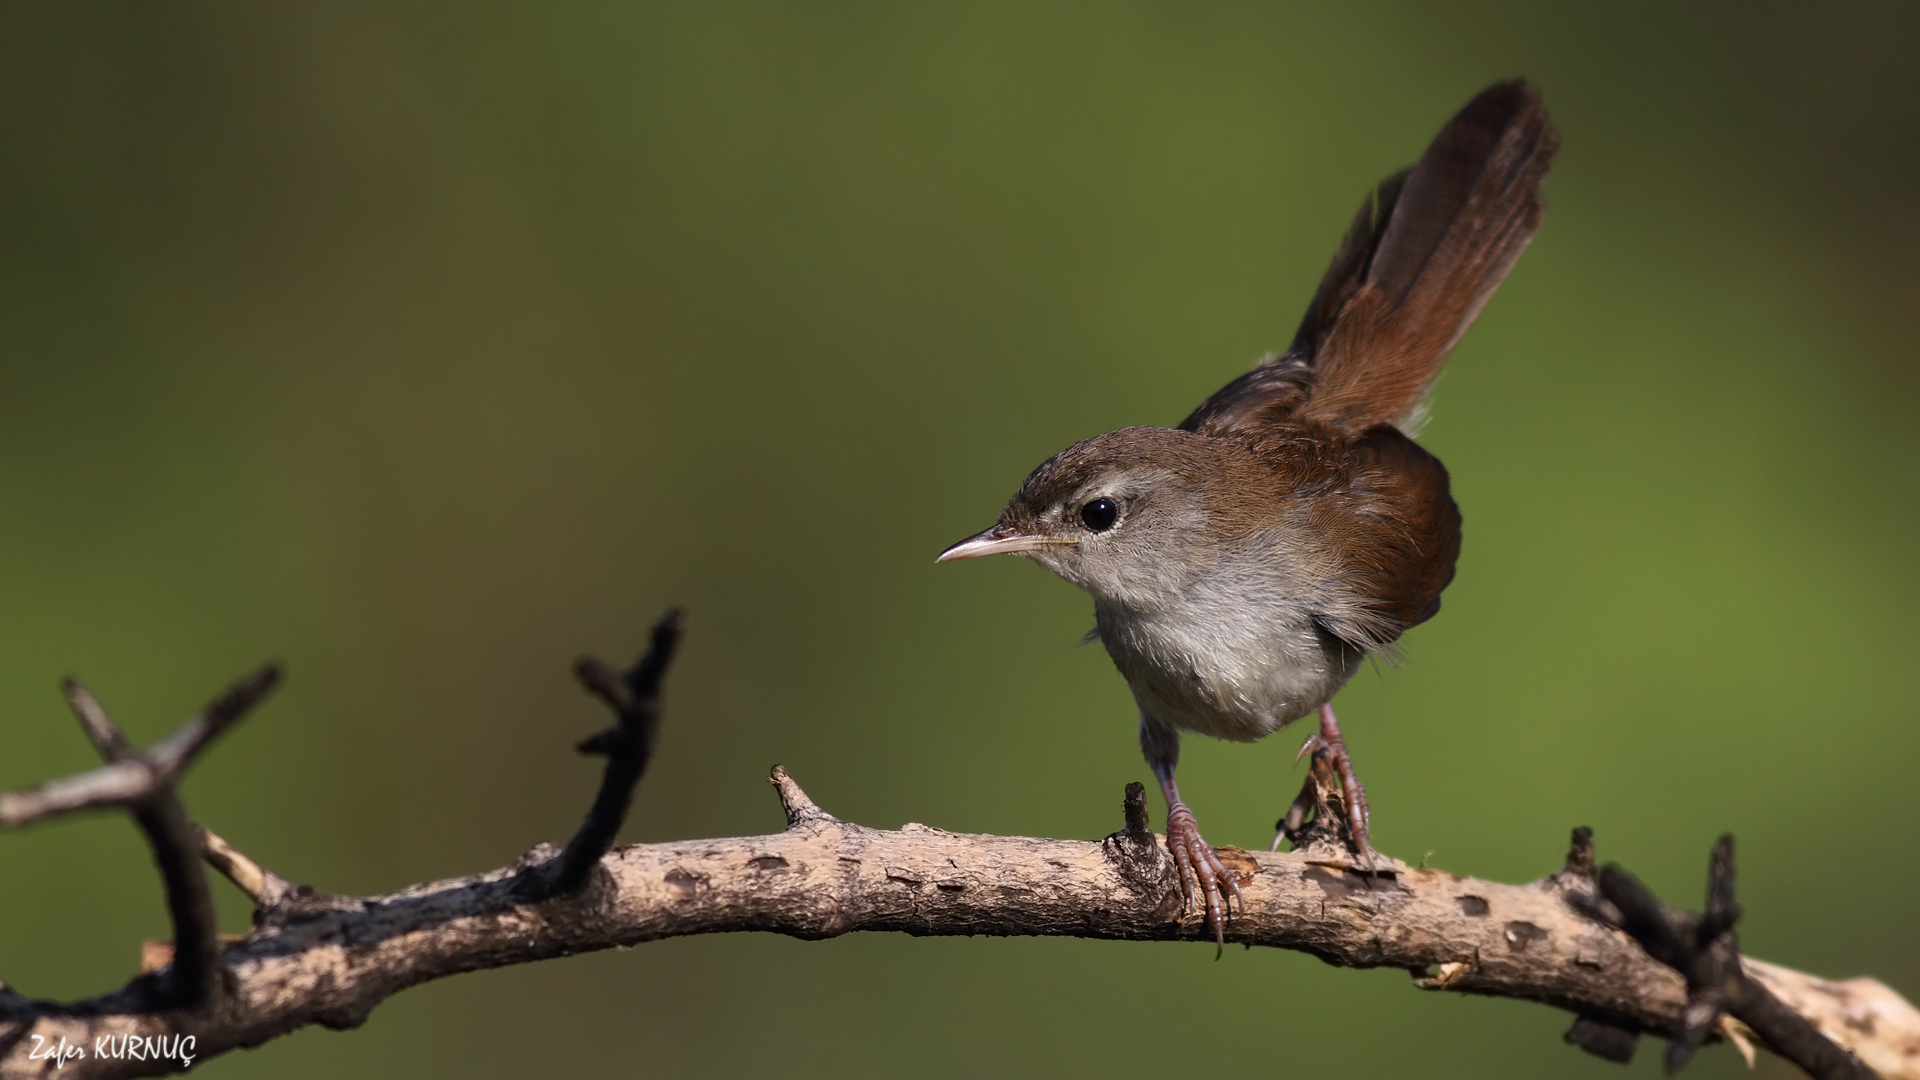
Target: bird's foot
[(1331, 766), (1205, 882)]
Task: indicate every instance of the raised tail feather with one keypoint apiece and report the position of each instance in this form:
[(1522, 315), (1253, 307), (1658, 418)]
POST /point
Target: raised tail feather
[(1424, 255), (1426, 251)]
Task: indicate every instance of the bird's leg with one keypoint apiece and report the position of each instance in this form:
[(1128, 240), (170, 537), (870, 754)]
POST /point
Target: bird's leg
[(1329, 746), (1204, 880)]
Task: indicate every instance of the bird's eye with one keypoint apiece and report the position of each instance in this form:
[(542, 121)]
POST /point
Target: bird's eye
[(1099, 515)]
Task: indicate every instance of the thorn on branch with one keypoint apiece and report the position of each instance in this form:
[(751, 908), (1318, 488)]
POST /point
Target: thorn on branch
[(1576, 881), (1133, 806), (268, 890), (634, 697), (1142, 862), (800, 809), (1579, 855), (1705, 950)]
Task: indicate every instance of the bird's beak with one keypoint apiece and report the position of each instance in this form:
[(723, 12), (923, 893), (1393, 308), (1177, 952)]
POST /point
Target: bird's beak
[(1000, 538)]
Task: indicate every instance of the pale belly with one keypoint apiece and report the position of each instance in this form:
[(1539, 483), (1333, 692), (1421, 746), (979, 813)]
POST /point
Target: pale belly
[(1232, 674)]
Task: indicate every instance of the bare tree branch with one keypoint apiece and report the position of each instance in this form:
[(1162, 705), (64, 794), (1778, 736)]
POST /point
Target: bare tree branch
[(144, 784), (101, 731), (125, 781), (1705, 950), (313, 958)]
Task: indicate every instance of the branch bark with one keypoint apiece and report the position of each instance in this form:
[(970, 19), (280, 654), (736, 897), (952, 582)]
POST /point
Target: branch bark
[(314, 958), (822, 877)]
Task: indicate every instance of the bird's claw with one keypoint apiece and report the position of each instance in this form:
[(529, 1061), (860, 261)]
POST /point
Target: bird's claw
[(1205, 882), (1331, 774), (1313, 745)]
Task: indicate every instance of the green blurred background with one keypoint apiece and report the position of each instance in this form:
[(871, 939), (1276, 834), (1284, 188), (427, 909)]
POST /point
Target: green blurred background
[(427, 346)]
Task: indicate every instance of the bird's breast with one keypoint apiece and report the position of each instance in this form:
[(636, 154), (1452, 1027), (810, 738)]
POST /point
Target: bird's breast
[(1224, 662)]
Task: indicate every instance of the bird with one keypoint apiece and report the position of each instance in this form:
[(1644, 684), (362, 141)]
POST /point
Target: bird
[(1245, 563)]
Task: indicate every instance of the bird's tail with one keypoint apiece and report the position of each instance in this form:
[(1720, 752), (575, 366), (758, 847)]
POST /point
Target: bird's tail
[(1425, 253)]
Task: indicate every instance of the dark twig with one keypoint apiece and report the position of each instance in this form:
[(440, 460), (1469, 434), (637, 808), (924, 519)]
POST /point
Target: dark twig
[(1579, 864), (1603, 1039), (634, 698), (1138, 855), (194, 976), (1133, 810), (1706, 951), (1598, 1034)]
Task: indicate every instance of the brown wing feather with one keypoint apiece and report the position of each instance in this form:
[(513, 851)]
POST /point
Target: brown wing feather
[(1415, 526), (1382, 524), (1426, 251)]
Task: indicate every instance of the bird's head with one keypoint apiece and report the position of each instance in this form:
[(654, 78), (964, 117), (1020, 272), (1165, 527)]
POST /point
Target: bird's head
[(1122, 515)]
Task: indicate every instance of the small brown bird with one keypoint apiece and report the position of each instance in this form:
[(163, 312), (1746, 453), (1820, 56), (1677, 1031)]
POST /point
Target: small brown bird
[(1243, 564)]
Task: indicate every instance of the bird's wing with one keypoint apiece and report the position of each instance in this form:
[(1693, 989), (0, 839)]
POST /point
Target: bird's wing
[(1391, 532), (1424, 254)]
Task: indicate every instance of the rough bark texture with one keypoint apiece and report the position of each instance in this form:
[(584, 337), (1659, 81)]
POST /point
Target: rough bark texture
[(315, 958), (331, 960)]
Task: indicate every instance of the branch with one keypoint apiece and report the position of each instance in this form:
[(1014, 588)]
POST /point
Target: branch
[(822, 877), (628, 745), (312, 958), (1705, 950), (268, 890), (144, 783), (128, 780)]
